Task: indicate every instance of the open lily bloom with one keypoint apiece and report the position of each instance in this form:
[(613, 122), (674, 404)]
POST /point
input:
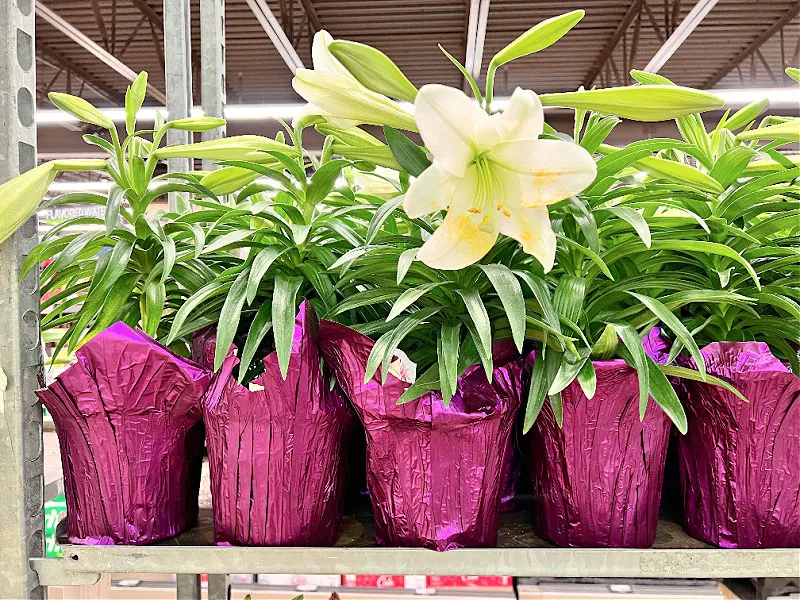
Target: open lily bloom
[(334, 94), (492, 175)]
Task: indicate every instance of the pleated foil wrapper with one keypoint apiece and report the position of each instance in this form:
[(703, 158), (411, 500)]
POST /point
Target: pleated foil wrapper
[(435, 473), (740, 462), (127, 414), (597, 480), (204, 344), (276, 449)]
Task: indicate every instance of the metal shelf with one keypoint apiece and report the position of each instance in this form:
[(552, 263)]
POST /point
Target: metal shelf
[(519, 553)]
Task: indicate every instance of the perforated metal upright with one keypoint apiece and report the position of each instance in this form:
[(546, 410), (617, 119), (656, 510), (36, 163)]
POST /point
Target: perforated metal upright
[(21, 471)]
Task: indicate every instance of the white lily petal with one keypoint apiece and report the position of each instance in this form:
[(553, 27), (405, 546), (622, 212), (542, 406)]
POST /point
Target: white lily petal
[(531, 228), (523, 118), (457, 243), (324, 61), (431, 191), (447, 120), (309, 110), (550, 170)]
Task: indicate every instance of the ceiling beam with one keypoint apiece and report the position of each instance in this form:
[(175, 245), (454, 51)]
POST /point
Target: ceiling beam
[(93, 47), (476, 36), (49, 55), (276, 33), (612, 42), (313, 16), (149, 12), (680, 35), (754, 45)]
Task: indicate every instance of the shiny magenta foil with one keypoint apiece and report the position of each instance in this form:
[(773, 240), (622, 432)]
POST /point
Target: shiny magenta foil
[(597, 480), (276, 454), (204, 344), (435, 473), (127, 415), (740, 462)]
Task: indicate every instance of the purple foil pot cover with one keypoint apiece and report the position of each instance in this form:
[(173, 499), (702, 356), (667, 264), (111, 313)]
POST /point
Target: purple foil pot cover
[(127, 414), (276, 449), (740, 461), (435, 473), (597, 480)]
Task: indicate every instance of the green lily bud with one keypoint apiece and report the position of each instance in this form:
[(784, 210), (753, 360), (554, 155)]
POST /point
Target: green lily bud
[(639, 102), (680, 173), (80, 109), (134, 98), (793, 73), (20, 197), (646, 78), (354, 136), (239, 147), (197, 124), (227, 180), (373, 69), (78, 164), (745, 115), (538, 37), (788, 130)]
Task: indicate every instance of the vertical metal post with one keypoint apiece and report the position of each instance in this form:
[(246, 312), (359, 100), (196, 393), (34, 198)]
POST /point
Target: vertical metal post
[(178, 72), (21, 473), (188, 587), (219, 587), (212, 66)]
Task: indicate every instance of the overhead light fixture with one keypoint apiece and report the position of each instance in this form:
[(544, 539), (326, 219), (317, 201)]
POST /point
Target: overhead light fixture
[(778, 98)]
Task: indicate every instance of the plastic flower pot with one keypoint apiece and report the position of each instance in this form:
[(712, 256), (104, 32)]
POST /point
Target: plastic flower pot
[(597, 479), (435, 472), (276, 449), (127, 415), (740, 461)]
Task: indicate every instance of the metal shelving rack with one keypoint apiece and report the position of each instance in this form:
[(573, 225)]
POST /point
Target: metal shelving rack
[(24, 572)]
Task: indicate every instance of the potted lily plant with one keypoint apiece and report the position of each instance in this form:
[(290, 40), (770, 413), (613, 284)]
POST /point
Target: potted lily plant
[(123, 272), (736, 461), (489, 174)]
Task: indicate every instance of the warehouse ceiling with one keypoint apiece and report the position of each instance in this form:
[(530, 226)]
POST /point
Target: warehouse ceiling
[(738, 43)]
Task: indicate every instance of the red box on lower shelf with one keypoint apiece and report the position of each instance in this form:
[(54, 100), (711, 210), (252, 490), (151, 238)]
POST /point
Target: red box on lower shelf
[(466, 581)]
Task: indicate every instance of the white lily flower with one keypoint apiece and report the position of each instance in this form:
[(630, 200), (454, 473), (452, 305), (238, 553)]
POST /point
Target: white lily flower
[(333, 93), (492, 174), (382, 183)]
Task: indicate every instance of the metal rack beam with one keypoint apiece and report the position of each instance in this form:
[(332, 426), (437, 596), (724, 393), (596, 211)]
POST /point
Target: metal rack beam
[(21, 469), (212, 67)]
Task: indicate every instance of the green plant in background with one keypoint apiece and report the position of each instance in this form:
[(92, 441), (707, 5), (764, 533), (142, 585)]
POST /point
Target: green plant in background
[(136, 265)]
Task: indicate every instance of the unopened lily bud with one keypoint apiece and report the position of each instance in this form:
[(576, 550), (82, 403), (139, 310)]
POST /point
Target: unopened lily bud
[(20, 197), (639, 102), (197, 124), (373, 69), (80, 109), (538, 37)]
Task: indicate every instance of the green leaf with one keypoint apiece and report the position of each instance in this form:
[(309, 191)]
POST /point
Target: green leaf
[(788, 131), (259, 328), (324, 180), (635, 219), (793, 73), (153, 307), (664, 395), (480, 320), (568, 370), (467, 75), (134, 98), (692, 375), (730, 166), (542, 295), (284, 310), (538, 37), (384, 349), (229, 318), (745, 116), (404, 263), (587, 379), (592, 256), (448, 345), (410, 156), (383, 213), (606, 345), (227, 240), (509, 291), (261, 264), (568, 297), (425, 383), (543, 372), (410, 296), (210, 290), (674, 323), (633, 343)]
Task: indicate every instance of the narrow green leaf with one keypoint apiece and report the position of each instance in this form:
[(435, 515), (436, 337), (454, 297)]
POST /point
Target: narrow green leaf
[(509, 291), (259, 328), (480, 319), (543, 372), (448, 345), (134, 98), (692, 375), (229, 317), (410, 156), (404, 263), (410, 296), (587, 379), (261, 264), (568, 297), (324, 180), (284, 310), (664, 395), (633, 343), (568, 370)]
